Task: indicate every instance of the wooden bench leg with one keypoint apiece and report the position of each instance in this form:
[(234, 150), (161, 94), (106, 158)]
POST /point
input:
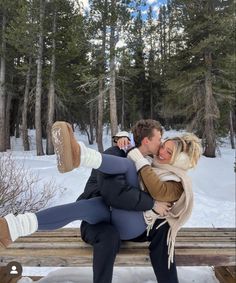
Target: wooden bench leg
[(226, 274)]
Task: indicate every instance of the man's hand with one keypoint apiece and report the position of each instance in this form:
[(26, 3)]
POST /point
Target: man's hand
[(123, 143), (161, 207)]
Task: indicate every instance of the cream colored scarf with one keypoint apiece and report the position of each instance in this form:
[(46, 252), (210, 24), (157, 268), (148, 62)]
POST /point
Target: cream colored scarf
[(181, 210)]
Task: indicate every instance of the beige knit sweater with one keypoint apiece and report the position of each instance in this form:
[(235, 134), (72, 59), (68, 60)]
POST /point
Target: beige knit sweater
[(182, 208)]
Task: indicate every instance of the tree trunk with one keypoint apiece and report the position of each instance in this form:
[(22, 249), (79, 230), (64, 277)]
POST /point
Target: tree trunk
[(3, 88), (17, 123), (51, 92), (91, 124), (231, 129), (101, 87), (7, 127), (123, 106), (209, 131), (24, 129), (112, 97), (151, 99), (100, 116), (112, 88), (38, 124)]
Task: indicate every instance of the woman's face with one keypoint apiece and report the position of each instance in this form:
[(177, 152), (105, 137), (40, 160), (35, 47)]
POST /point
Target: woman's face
[(165, 152)]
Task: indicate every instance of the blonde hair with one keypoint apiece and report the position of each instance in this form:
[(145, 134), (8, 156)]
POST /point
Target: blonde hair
[(189, 144)]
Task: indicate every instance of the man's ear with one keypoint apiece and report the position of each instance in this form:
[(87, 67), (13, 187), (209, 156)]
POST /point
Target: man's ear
[(145, 141)]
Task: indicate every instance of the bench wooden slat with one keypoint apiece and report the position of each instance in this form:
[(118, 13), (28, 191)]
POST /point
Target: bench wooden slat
[(83, 257), (64, 247), (71, 232), (74, 252), (73, 239)]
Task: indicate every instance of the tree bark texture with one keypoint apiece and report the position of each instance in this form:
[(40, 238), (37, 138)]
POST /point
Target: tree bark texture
[(38, 124), (24, 129), (100, 115), (123, 106), (231, 129), (210, 110), (3, 88), (112, 88), (101, 86), (91, 124), (51, 92), (7, 124)]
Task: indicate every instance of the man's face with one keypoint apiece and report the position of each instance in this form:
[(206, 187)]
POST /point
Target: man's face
[(153, 144)]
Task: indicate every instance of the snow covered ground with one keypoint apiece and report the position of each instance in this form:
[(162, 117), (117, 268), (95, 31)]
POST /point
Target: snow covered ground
[(214, 190)]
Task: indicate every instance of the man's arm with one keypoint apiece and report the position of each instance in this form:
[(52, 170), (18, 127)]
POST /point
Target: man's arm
[(117, 193), (115, 190), (91, 189)]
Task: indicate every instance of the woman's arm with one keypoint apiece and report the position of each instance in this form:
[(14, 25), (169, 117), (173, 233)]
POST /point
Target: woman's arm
[(162, 191)]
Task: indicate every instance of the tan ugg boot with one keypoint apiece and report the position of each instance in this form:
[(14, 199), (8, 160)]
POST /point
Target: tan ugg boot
[(70, 153), (66, 147), (5, 238)]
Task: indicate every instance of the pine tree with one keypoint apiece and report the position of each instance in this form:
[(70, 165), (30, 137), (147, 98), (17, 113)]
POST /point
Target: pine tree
[(153, 68), (139, 83), (51, 90), (21, 35), (8, 57), (119, 16), (197, 65), (101, 59), (38, 94)]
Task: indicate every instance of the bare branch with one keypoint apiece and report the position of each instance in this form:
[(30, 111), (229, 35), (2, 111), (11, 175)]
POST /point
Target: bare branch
[(21, 190)]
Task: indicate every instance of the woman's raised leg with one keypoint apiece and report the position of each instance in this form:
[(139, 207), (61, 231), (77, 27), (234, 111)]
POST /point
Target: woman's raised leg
[(118, 165), (71, 154), (130, 224), (92, 210)]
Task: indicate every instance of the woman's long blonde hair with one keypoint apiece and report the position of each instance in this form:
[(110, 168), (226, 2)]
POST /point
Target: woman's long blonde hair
[(190, 144)]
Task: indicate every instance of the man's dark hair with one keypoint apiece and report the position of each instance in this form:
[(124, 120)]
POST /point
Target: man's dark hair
[(144, 128)]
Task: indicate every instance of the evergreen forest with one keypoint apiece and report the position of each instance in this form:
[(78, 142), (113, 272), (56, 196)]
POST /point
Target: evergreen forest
[(115, 63)]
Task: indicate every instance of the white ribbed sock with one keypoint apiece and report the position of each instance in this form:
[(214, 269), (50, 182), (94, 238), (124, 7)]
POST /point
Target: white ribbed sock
[(89, 157), (22, 224)]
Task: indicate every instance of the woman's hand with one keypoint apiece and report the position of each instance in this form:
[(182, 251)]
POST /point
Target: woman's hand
[(162, 208), (123, 143)]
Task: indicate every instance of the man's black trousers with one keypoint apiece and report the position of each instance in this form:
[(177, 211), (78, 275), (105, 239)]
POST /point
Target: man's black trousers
[(106, 243)]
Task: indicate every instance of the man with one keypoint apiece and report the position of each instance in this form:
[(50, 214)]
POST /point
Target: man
[(104, 237)]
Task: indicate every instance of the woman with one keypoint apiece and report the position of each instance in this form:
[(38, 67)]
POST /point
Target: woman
[(175, 157)]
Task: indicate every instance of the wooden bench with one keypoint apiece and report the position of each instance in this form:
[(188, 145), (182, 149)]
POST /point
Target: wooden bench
[(64, 247)]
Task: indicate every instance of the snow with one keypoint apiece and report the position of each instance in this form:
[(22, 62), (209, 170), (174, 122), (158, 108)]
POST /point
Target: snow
[(214, 191)]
